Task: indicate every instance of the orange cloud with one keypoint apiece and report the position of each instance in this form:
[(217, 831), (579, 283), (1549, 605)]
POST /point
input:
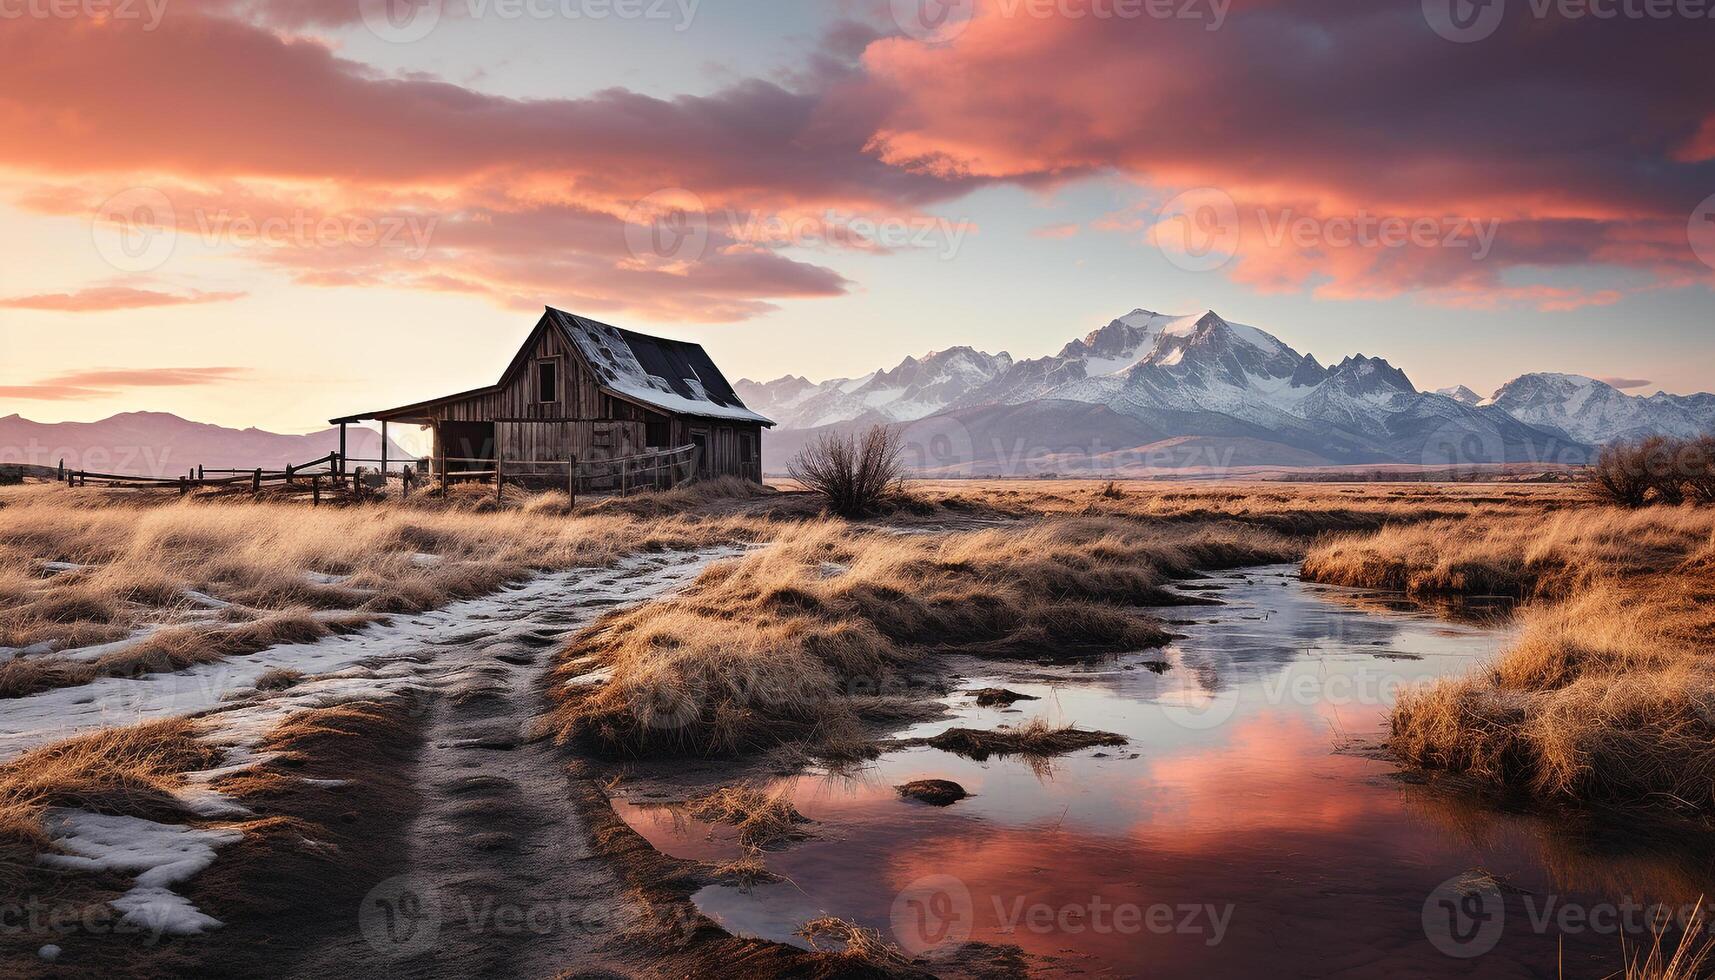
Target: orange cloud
[(105, 382), (98, 299)]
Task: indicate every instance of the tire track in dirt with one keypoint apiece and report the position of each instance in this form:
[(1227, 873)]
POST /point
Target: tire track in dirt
[(500, 880)]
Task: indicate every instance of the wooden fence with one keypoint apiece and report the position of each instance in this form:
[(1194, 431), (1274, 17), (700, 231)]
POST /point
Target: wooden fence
[(315, 474), (659, 469)]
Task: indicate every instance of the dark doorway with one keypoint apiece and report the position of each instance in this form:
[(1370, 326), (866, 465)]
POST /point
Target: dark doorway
[(468, 445), (705, 466)]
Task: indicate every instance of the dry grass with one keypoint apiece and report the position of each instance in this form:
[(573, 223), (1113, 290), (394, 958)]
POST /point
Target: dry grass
[(854, 942), (1688, 961), (793, 642), (142, 559), (1608, 695), (129, 771), (763, 818)]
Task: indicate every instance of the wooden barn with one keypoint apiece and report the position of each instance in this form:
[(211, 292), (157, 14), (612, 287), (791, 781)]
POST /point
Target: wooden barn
[(581, 393)]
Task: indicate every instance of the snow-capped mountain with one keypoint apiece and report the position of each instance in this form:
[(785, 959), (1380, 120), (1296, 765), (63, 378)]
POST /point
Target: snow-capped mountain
[(1201, 384), (915, 388), (1461, 394), (1595, 412)]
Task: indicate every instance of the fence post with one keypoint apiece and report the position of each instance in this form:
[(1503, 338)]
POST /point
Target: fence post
[(315, 489), (199, 472), (622, 466), (499, 475), (184, 486)]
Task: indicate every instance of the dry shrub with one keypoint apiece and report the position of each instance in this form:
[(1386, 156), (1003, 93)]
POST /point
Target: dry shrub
[(855, 475), (1656, 469), (1619, 476), (1698, 466)]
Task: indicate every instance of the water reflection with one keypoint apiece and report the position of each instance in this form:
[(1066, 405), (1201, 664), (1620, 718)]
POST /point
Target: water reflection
[(1230, 815)]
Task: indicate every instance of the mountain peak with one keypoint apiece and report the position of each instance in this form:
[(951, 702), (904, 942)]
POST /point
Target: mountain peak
[(1460, 394), (1362, 373)]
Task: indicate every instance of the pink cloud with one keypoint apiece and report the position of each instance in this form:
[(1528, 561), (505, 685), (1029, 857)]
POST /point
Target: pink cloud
[(98, 299)]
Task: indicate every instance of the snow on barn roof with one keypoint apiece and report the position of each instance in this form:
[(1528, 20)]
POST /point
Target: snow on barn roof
[(674, 375)]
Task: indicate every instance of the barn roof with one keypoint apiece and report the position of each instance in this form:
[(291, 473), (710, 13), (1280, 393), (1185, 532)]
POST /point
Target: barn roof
[(672, 375)]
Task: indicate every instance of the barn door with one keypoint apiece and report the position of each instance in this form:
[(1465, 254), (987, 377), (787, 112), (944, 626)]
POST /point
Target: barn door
[(705, 465)]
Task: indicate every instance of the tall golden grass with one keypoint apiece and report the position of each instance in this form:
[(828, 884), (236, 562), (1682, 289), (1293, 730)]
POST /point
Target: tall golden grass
[(803, 641), (1608, 695), (143, 562)]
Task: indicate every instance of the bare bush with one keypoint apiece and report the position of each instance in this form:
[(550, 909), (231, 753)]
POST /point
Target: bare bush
[(855, 474), (1664, 463), (1699, 469), (1620, 475)]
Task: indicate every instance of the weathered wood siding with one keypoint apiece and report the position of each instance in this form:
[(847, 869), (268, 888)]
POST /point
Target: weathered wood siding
[(589, 423)]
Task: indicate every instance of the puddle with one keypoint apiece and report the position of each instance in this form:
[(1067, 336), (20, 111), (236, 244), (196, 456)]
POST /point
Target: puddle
[(1238, 833)]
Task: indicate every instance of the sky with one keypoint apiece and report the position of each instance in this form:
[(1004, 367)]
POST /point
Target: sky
[(273, 212)]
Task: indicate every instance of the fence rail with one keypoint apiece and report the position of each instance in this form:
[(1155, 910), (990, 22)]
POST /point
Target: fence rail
[(658, 469)]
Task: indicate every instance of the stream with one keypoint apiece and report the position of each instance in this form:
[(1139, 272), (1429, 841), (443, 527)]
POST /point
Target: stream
[(1252, 826)]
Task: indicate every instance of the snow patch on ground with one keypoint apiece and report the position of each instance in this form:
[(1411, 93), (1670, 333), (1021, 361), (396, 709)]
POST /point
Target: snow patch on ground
[(158, 855)]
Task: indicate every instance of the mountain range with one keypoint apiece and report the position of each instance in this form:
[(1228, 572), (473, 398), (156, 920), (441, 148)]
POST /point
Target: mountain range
[(1151, 391), (160, 444)]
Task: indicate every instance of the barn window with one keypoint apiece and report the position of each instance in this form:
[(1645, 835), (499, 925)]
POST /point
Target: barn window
[(547, 381), (747, 448), (657, 431)]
